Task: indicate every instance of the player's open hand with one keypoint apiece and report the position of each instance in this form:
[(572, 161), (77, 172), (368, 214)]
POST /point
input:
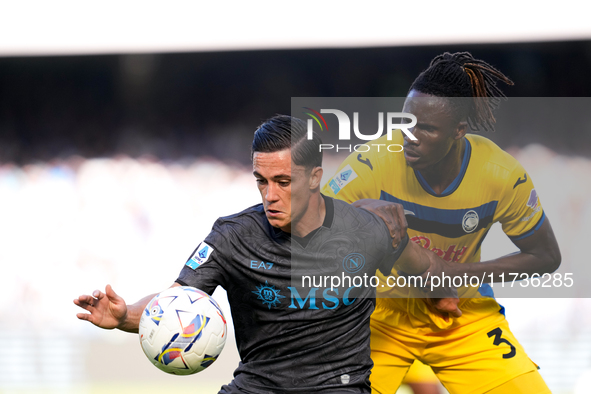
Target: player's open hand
[(107, 310), (391, 213)]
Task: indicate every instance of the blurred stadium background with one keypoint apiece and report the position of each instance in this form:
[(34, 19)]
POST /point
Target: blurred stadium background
[(125, 132)]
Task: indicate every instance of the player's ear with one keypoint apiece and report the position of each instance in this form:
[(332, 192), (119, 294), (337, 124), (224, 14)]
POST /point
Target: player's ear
[(315, 177), (461, 130)]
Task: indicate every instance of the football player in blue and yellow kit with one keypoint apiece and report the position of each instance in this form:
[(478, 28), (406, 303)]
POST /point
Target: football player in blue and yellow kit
[(453, 186)]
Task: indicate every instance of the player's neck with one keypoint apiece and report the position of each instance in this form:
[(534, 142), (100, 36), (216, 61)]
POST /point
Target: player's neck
[(312, 218), (439, 176)]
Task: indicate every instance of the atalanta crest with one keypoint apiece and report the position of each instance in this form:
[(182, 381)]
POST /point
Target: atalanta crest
[(470, 221)]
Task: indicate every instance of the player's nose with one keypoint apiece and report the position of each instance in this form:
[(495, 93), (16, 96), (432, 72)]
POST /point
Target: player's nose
[(408, 140), (272, 193)]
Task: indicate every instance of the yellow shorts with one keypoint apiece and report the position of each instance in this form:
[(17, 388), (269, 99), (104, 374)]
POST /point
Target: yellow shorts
[(420, 373), (475, 354)]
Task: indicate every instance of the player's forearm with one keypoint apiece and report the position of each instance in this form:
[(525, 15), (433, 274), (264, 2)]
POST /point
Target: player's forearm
[(539, 254), (501, 268), (415, 259), (131, 323)]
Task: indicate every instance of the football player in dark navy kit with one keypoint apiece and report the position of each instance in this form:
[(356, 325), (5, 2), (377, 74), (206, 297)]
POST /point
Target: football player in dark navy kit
[(297, 331)]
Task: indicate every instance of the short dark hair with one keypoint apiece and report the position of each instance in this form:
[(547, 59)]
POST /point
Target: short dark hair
[(461, 75), (286, 132)]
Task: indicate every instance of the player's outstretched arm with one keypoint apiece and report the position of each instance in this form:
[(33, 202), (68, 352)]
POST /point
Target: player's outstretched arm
[(539, 254), (108, 310)]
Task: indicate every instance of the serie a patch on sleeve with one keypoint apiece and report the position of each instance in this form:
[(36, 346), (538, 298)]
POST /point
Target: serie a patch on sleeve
[(534, 203), (200, 256), (341, 179)]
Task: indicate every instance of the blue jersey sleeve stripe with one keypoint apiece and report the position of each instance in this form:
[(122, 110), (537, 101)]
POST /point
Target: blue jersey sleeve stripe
[(530, 232), (540, 222)]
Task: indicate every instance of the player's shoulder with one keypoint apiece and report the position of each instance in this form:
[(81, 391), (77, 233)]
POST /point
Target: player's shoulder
[(379, 149), (245, 220), (488, 155), (359, 227), (376, 158), (348, 216)]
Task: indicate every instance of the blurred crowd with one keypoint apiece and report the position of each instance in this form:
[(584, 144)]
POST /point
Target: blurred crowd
[(75, 225), (181, 105)]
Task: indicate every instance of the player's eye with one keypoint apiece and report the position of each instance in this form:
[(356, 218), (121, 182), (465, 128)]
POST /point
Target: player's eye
[(423, 126), (284, 184)]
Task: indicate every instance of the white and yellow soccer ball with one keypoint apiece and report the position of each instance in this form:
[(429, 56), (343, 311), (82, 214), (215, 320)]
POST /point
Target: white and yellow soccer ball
[(182, 330)]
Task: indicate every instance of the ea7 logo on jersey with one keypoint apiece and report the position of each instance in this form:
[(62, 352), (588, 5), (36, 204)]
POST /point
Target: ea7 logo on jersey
[(260, 265), (200, 256), (341, 179)]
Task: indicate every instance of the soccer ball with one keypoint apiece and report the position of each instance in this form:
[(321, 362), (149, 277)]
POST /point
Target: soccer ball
[(182, 330)]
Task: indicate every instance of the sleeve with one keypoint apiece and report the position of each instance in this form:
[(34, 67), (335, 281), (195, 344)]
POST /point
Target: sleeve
[(519, 210), (387, 266), (207, 267), (355, 179), (383, 242)]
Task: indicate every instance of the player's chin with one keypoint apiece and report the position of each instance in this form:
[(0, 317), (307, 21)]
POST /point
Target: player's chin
[(416, 164), (277, 220), (412, 160)]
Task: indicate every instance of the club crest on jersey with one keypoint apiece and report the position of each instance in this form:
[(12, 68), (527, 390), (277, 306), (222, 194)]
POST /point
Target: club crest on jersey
[(353, 263), (470, 221), (532, 202), (341, 179), (200, 256)]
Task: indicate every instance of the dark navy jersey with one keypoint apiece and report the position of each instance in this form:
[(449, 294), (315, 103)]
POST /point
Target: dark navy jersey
[(296, 331)]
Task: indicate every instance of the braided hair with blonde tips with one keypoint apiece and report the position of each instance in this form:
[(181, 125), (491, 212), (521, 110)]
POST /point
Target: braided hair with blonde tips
[(471, 80)]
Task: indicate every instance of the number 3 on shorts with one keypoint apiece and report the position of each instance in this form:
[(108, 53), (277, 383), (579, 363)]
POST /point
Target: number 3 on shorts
[(497, 332)]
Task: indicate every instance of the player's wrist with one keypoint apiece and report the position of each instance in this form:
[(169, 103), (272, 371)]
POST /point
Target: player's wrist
[(128, 322), (414, 259), (402, 245), (453, 269)]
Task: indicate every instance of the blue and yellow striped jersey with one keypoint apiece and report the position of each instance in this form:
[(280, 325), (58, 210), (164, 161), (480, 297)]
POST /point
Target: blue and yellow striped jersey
[(491, 187)]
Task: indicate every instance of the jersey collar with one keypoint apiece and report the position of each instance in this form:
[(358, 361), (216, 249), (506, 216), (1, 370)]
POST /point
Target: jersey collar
[(456, 182), (328, 219)]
